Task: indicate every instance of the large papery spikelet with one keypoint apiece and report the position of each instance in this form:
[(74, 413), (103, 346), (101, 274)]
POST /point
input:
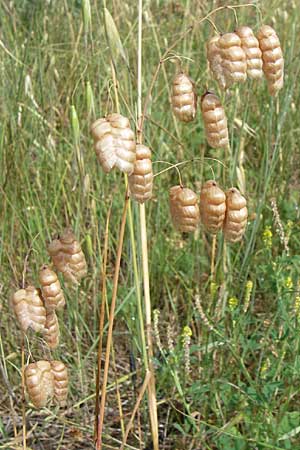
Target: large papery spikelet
[(184, 98), (234, 62), (214, 58), (114, 143), (61, 382), (236, 215), (250, 45), (184, 209), (273, 62), (215, 122), (212, 206), (29, 309), (68, 257), (141, 180), (51, 332), (51, 289), (39, 383)]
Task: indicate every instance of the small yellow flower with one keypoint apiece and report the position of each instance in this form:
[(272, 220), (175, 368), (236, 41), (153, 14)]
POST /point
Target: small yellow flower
[(233, 302), (297, 306), (264, 368), (288, 283), (186, 332), (213, 288), (267, 237)]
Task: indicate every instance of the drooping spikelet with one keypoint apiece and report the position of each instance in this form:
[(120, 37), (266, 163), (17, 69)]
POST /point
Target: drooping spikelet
[(234, 62), (215, 122), (214, 58), (61, 382), (236, 215), (67, 256), (141, 180), (273, 62), (184, 209), (29, 309), (51, 332), (114, 143), (51, 289), (39, 383), (184, 98), (250, 45), (212, 206)]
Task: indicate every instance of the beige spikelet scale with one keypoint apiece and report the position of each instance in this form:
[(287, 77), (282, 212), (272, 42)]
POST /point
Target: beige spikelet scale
[(61, 382), (68, 257), (51, 289), (51, 332), (184, 209), (39, 383), (215, 122), (212, 206), (214, 58), (114, 143), (184, 98), (141, 180), (273, 62), (236, 216), (250, 45), (29, 309), (234, 61)]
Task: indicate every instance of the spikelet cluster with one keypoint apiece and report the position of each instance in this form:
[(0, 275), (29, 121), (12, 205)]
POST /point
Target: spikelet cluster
[(236, 215), (212, 206), (215, 122), (114, 143), (234, 56), (29, 309), (273, 62), (184, 98), (51, 331), (68, 257), (184, 209), (141, 180), (46, 381)]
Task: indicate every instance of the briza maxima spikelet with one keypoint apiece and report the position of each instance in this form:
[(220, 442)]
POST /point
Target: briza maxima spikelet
[(233, 59), (236, 215), (273, 63), (215, 122), (184, 98), (250, 45), (184, 209), (61, 382), (68, 257), (51, 289), (51, 332), (212, 206), (214, 58), (114, 143), (141, 180), (29, 309), (39, 383)]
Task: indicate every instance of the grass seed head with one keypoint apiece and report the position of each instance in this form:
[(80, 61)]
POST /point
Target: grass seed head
[(273, 62), (213, 53), (184, 209), (114, 143), (29, 309), (141, 180), (234, 61), (236, 216), (215, 122), (51, 289), (61, 382), (39, 383), (250, 45), (51, 332), (212, 206), (184, 98)]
